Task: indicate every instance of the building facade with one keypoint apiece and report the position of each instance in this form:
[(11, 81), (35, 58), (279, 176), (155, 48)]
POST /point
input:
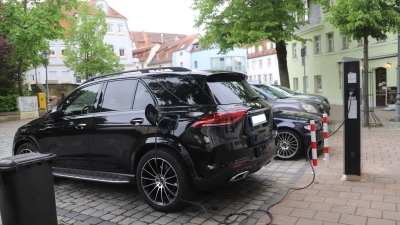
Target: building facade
[(117, 35), (322, 72), (262, 63)]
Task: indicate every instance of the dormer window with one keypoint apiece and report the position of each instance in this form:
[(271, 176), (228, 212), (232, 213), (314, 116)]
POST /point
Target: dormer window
[(102, 5), (166, 54), (182, 46)]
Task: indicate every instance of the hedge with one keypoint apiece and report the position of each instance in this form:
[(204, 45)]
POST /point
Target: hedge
[(8, 103)]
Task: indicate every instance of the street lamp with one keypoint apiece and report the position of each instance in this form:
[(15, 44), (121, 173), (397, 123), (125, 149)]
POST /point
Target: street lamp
[(46, 56)]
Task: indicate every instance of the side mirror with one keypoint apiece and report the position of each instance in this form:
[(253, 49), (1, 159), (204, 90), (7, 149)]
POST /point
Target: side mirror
[(53, 113)]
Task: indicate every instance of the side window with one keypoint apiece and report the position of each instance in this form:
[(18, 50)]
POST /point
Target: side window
[(118, 95), (262, 96), (81, 101), (142, 97)]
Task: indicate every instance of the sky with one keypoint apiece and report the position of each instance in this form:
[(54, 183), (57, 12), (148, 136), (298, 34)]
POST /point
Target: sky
[(168, 16)]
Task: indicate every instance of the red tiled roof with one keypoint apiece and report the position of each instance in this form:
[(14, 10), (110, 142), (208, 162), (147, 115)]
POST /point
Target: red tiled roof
[(143, 38), (263, 52)]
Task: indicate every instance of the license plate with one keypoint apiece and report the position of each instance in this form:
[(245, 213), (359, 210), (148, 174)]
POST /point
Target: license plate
[(259, 119)]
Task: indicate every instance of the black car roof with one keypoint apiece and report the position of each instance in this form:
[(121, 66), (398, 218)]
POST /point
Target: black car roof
[(157, 71)]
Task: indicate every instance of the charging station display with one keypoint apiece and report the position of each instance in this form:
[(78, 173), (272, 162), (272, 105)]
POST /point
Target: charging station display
[(351, 112)]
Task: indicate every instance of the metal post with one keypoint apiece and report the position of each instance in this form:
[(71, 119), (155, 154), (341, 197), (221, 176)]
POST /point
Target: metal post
[(397, 116), (303, 60), (47, 89)]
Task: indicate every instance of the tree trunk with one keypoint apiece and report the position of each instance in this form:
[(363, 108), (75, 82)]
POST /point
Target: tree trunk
[(20, 79), (282, 63), (365, 84)]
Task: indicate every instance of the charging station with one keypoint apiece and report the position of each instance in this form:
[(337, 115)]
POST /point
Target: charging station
[(351, 112)]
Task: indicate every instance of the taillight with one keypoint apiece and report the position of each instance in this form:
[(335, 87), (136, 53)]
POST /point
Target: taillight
[(221, 118)]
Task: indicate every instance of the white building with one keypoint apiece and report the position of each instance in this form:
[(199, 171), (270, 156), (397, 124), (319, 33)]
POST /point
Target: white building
[(117, 35), (262, 63)]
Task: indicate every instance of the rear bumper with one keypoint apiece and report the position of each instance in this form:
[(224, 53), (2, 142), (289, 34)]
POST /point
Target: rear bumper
[(226, 174)]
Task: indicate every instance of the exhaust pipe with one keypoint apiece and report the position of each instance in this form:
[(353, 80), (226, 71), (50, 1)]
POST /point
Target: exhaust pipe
[(239, 176)]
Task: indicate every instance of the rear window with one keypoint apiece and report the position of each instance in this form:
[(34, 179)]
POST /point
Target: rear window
[(172, 89), (230, 89)]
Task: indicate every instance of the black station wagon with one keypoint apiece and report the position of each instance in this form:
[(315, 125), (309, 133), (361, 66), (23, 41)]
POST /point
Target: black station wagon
[(172, 131)]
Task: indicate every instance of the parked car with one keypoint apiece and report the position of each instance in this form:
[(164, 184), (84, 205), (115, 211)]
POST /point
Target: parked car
[(171, 131), (282, 102), (294, 135), (290, 93)]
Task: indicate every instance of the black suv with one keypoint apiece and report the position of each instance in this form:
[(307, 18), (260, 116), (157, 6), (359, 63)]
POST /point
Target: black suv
[(171, 131)]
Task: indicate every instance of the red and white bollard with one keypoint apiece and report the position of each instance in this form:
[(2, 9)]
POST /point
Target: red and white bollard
[(314, 150), (326, 145)]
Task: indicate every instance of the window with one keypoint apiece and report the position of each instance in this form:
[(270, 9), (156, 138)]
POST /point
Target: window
[(268, 45), (157, 55), (269, 62), (81, 101), (249, 50), (118, 96), (361, 42), (330, 42), (273, 45), (195, 64), (121, 52), (318, 83), (317, 41), (102, 5), (260, 63), (259, 77), (181, 64), (296, 84), (166, 54), (253, 65), (142, 64), (142, 97), (306, 83), (294, 49), (265, 78), (62, 51), (52, 51), (120, 28), (78, 79), (307, 6), (110, 28), (345, 42), (233, 63), (270, 77), (180, 53), (253, 49), (260, 48), (250, 77)]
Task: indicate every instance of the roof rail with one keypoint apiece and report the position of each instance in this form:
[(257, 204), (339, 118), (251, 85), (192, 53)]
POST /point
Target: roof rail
[(147, 70)]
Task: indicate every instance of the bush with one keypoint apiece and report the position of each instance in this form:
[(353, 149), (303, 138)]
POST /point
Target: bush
[(8, 103)]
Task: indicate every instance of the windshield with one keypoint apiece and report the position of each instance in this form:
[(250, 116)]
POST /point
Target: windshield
[(271, 91), (290, 91)]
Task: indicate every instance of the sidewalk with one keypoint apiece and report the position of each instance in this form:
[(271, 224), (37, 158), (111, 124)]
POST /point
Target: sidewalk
[(375, 199)]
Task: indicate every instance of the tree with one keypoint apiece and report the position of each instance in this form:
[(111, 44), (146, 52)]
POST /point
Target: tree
[(8, 69), (360, 19), (28, 24), (84, 47), (236, 23)]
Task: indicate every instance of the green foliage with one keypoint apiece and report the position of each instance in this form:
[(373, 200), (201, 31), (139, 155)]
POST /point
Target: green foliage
[(85, 51), (358, 19), (232, 23), (28, 25), (237, 23), (8, 103)]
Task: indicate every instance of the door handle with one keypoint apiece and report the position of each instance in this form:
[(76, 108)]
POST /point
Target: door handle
[(137, 120), (81, 126)]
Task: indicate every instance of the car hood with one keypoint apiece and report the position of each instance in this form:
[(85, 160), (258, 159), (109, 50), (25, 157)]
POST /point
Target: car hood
[(35, 122), (310, 96), (293, 115)]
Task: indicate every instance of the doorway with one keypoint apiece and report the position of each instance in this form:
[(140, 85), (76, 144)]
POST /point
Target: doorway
[(380, 86)]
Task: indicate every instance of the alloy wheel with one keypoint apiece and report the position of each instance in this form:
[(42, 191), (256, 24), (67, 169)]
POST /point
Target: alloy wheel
[(159, 181), (288, 145)]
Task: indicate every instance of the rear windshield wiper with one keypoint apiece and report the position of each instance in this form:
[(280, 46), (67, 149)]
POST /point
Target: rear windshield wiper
[(254, 98)]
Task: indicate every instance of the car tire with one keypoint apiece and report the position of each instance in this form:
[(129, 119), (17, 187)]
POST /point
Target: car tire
[(165, 188), (289, 143), (26, 148)]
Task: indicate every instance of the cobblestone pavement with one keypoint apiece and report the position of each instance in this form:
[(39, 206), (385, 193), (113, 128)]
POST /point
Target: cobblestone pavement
[(81, 202)]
